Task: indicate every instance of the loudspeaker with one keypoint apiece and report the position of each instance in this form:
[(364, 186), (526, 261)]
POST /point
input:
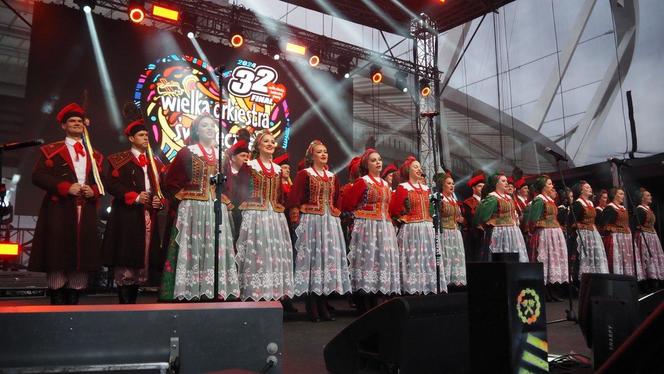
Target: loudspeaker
[(643, 351), (650, 302), (614, 286), (406, 335), (191, 338), (506, 310), (504, 257)]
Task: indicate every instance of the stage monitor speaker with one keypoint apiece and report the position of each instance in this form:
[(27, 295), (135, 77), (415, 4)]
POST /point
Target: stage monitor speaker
[(184, 338), (504, 257), (506, 312), (615, 286), (406, 335), (643, 351)]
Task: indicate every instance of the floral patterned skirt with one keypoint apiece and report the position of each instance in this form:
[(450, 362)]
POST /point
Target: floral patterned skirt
[(552, 253), (592, 256), (321, 266), (189, 268), (653, 257), (264, 256), (508, 239), (620, 252), (453, 259), (418, 259), (374, 257)]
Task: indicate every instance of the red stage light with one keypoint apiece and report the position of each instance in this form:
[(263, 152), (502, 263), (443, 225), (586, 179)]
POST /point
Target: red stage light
[(164, 12), (377, 77), (314, 60), (136, 15), (237, 40), (9, 249)]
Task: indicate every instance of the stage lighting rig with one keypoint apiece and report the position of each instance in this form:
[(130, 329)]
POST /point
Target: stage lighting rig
[(136, 10), (376, 74), (273, 48), (425, 89), (86, 5), (166, 12), (401, 81), (314, 58), (237, 35), (344, 65), (188, 26)]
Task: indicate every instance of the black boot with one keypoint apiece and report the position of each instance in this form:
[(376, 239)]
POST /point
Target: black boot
[(133, 294), (72, 296), (57, 296), (123, 294), (322, 309), (313, 307), (287, 305)]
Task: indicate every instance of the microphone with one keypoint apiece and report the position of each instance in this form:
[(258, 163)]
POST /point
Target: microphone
[(555, 154), (618, 161), (18, 145), (219, 70)]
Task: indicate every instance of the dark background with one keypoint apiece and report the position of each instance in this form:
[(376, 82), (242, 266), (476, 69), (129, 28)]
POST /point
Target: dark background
[(62, 67)]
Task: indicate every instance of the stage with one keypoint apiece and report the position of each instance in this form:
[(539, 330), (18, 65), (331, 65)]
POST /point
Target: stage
[(303, 341)]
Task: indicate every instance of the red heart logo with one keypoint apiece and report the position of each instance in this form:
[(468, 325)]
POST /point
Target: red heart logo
[(276, 91)]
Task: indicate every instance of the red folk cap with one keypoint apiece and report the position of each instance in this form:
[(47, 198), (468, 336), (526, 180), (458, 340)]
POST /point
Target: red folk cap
[(474, 181), (134, 127), (238, 147), (68, 111)]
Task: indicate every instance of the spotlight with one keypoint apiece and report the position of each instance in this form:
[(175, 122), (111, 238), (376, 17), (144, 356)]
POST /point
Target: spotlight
[(136, 10), (344, 65), (237, 38), (188, 26), (272, 46), (425, 90), (400, 81), (314, 59), (86, 5), (161, 11), (376, 74)]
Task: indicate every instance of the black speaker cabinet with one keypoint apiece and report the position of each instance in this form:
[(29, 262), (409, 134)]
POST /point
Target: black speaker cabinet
[(506, 312), (184, 338), (406, 335)]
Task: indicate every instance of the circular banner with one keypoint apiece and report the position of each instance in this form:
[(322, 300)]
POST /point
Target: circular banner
[(174, 90)]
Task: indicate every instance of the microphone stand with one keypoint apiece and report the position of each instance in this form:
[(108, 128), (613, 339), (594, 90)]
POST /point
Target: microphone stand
[(435, 196), (218, 181), (570, 315)]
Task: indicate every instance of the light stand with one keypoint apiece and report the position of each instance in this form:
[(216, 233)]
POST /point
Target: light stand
[(218, 181)]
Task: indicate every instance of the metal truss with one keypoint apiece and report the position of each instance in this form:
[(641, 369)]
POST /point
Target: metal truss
[(215, 20)]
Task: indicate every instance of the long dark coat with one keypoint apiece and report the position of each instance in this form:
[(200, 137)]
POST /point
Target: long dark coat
[(60, 243), (124, 239)]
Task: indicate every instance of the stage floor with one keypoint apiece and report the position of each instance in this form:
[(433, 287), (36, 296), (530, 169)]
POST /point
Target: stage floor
[(304, 340)]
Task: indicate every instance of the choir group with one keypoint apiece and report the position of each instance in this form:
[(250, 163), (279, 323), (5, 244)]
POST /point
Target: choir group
[(373, 237)]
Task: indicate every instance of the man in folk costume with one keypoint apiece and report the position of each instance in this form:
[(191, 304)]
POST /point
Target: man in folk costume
[(131, 242), (237, 156), (66, 244), (472, 234)]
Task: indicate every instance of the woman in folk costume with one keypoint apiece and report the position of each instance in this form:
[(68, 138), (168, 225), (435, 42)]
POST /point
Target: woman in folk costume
[(321, 267), (388, 174), (453, 258), (374, 253), (646, 238), (264, 249), (416, 238), (189, 269), (592, 256), (496, 213), (618, 240), (548, 240)]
